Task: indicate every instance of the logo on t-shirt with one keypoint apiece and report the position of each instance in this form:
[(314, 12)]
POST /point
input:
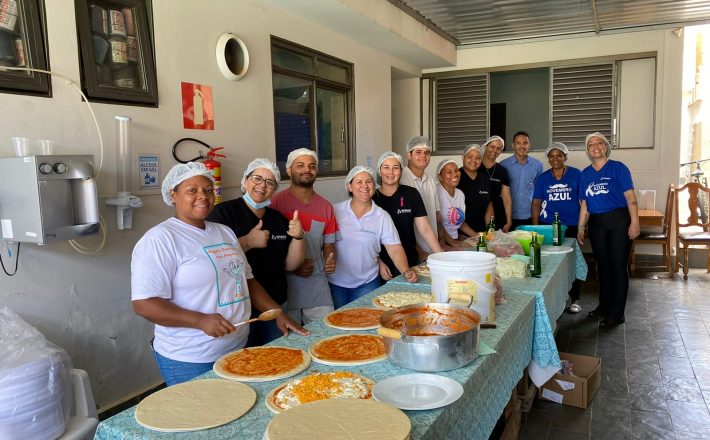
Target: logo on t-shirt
[(278, 237), (404, 211), (455, 216), (559, 192), (594, 189), (228, 263)]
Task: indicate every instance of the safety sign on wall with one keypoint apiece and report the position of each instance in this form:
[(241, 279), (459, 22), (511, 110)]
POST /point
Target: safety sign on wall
[(149, 171), (197, 110)]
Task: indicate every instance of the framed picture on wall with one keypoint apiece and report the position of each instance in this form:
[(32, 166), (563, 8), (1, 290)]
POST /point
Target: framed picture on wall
[(116, 52), (23, 45)]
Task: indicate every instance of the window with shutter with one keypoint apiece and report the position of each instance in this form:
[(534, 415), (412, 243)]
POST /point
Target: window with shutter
[(582, 103), (460, 112)]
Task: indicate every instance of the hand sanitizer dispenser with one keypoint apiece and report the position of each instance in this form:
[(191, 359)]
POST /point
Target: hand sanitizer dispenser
[(48, 198)]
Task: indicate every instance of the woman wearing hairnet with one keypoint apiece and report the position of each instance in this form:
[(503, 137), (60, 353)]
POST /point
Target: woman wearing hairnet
[(476, 188), (453, 205), (557, 191), (272, 243), (406, 207), (191, 279), (364, 228), (608, 202)]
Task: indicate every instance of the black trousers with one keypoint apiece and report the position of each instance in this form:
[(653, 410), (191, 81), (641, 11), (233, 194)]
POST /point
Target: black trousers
[(609, 237), (576, 289)]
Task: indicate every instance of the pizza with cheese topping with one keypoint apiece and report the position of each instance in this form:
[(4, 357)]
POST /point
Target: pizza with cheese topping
[(349, 349), (319, 386), (359, 318), (401, 299), (260, 364)]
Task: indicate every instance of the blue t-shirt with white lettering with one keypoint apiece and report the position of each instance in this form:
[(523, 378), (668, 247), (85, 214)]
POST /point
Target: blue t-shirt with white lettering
[(604, 190), (561, 196)]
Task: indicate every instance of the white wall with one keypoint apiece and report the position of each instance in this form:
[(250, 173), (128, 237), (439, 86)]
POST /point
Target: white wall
[(652, 168), (82, 303)]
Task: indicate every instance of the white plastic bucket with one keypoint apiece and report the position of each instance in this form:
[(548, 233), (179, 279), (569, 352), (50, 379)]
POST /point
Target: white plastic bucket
[(467, 272)]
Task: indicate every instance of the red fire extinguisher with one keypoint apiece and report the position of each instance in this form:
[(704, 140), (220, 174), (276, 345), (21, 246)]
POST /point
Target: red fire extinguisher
[(215, 168)]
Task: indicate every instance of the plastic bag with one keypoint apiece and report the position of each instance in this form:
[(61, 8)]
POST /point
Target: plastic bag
[(36, 390), (498, 284), (503, 245)]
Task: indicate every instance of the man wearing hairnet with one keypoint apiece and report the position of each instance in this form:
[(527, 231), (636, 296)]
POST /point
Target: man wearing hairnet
[(309, 297), (273, 244), (418, 157)]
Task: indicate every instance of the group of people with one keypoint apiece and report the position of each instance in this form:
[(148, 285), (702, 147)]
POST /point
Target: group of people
[(210, 267)]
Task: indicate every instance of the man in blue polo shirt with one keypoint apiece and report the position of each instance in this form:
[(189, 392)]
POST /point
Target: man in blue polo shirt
[(522, 171)]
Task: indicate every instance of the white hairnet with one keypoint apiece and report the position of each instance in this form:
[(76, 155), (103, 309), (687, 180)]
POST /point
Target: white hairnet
[(470, 147), (300, 152), (386, 155), (354, 172), (557, 146), (443, 163), (178, 174), (418, 142), (602, 137), (260, 162), (493, 138)]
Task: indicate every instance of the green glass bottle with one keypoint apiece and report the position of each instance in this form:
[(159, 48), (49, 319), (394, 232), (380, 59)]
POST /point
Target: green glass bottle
[(491, 228), (557, 231), (535, 256), (481, 246)]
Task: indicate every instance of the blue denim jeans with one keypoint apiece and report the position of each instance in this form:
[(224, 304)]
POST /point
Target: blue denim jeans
[(175, 372), (345, 295)]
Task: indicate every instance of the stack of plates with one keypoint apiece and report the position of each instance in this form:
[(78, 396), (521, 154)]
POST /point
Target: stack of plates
[(31, 399)]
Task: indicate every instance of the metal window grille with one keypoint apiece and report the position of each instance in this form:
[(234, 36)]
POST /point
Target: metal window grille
[(460, 112), (582, 103)]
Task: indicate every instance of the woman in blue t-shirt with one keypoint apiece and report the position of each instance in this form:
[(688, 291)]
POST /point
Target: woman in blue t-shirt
[(557, 191), (608, 202)]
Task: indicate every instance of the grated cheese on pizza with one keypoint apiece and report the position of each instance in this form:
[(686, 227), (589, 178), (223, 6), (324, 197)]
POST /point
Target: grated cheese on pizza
[(400, 299), (320, 386)]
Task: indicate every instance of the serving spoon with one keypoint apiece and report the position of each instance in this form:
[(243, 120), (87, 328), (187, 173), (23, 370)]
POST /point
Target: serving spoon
[(264, 316)]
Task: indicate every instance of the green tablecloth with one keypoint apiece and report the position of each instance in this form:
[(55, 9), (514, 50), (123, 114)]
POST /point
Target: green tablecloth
[(487, 381)]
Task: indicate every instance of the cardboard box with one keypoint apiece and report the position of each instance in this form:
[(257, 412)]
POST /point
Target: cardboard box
[(578, 390)]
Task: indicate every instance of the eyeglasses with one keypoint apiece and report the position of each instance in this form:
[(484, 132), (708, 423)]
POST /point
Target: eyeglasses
[(258, 180)]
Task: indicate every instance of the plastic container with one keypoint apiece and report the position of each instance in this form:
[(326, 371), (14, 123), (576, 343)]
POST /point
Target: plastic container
[(543, 230), (464, 272)]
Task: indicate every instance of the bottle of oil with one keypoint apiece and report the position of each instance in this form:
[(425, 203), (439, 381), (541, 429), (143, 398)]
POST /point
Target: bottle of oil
[(535, 256), (557, 231), (481, 246), (491, 228)]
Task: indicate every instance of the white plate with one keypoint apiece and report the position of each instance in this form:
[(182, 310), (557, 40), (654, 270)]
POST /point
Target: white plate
[(549, 250), (418, 391)]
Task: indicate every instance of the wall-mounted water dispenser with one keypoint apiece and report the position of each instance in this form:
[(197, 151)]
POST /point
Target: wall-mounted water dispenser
[(46, 199)]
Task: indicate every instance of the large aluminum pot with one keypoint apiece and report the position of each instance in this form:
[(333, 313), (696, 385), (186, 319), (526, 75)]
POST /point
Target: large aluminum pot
[(431, 337)]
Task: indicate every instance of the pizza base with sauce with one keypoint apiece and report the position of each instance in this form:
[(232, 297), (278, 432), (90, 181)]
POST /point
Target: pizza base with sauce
[(359, 318), (393, 300), (350, 349), (319, 386), (261, 364)]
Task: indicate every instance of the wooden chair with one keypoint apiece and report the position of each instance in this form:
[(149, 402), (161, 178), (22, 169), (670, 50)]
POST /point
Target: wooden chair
[(693, 232), (662, 237)]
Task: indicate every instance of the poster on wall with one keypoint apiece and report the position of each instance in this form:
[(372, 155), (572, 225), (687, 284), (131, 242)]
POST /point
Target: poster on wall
[(197, 110), (149, 171)]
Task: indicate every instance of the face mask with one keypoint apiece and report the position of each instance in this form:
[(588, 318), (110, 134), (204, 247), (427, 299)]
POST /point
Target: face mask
[(253, 204)]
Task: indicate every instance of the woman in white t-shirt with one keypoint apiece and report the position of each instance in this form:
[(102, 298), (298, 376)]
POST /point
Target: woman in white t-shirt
[(452, 204), (191, 279), (364, 227)]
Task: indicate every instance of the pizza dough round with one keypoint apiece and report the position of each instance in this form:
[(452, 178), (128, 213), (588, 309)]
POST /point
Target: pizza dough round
[(340, 419), (262, 364), (195, 405), (358, 318), (349, 349), (393, 300), (321, 386)]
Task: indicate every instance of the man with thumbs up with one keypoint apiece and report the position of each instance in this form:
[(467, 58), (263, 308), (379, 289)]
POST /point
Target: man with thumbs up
[(309, 296)]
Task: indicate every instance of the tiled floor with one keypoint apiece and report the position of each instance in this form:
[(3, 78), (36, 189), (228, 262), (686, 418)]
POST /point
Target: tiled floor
[(655, 368)]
